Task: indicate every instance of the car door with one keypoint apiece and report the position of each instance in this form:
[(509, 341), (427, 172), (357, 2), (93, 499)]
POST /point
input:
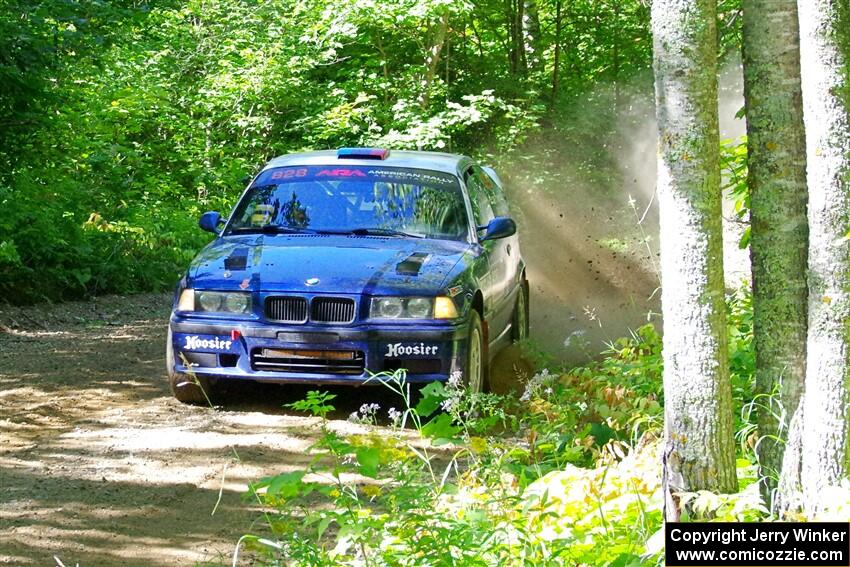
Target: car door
[(495, 281), (511, 243)]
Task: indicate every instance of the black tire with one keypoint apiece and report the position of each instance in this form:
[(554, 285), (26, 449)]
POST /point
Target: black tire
[(519, 323), (476, 356), (184, 387)]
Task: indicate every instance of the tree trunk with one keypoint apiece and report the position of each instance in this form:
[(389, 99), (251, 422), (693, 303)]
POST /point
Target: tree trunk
[(776, 145), (531, 30), (432, 59), (514, 13), (615, 57), (789, 493), (824, 58), (556, 64), (699, 449)]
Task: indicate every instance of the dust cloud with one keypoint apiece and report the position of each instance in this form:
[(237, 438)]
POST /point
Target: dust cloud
[(582, 192)]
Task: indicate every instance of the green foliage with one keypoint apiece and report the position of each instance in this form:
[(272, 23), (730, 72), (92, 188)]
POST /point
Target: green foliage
[(729, 29), (579, 416), (567, 473), (733, 163), (742, 357), (120, 122), (482, 479), (743, 506), (315, 403)]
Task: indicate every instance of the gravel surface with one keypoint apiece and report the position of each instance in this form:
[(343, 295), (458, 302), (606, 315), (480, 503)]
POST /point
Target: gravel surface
[(99, 465)]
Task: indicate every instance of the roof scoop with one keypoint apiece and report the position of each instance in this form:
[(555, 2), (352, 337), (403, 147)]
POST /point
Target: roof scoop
[(378, 154)]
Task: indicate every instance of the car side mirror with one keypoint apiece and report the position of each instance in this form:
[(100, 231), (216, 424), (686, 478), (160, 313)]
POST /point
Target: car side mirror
[(499, 227), (209, 221)]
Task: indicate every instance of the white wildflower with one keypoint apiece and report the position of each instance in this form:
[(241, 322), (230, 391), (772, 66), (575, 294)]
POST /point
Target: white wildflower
[(538, 385), (366, 415)]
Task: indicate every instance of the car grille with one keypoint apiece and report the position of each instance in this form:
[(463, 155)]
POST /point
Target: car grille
[(286, 309), (293, 309), (332, 310), (310, 361)]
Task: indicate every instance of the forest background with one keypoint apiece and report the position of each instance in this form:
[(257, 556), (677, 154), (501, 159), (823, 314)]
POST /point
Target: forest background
[(120, 122)]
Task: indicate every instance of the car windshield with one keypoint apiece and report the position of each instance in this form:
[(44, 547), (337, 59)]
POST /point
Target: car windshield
[(385, 201)]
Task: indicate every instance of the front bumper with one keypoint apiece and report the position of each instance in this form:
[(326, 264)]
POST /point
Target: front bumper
[(242, 349)]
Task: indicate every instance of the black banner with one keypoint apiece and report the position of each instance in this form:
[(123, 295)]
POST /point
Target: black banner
[(815, 544)]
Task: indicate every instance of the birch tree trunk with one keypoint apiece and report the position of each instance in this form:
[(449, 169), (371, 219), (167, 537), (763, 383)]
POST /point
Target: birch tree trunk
[(779, 242), (699, 450), (432, 59), (556, 64), (824, 58)]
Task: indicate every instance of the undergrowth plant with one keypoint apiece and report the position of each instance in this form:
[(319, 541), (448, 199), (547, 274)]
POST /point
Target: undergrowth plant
[(564, 474)]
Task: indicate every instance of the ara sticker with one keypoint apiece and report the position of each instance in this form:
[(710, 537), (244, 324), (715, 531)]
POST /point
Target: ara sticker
[(340, 172), (453, 291), (245, 283)]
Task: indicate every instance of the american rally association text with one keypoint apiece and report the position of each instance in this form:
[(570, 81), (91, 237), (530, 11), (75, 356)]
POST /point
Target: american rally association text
[(755, 533)]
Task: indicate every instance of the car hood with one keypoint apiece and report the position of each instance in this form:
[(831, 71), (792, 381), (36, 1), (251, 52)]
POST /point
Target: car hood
[(341, 264)]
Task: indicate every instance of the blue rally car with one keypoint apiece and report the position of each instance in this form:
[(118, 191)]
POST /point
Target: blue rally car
[(336, 265)]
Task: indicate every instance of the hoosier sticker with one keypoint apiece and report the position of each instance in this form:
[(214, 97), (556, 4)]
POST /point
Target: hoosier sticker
[(194, 342), (394, 350)]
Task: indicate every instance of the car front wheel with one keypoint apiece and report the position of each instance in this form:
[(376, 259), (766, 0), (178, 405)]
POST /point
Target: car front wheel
[(475, 373), (186, 388), (519, 324)]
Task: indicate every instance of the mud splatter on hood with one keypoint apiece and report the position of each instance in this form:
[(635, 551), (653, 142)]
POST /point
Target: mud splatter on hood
[(341, 264)]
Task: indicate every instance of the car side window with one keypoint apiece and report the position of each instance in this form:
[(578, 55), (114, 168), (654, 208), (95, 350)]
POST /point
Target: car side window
[(494, 192), (482, 209)]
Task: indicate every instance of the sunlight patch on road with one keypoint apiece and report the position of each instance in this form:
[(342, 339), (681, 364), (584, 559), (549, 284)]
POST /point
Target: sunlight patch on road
[(171, 438)]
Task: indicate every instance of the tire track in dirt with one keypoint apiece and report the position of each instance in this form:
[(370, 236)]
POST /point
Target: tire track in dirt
[(100, 466)]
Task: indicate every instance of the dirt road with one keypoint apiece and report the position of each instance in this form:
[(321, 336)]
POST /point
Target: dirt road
[(100, 466)]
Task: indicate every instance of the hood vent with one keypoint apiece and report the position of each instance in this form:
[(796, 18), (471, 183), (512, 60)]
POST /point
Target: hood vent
[(411, 265), (238, 260)]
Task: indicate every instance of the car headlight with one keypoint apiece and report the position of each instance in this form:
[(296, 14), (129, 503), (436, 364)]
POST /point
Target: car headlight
[(208, 300), (419, 307), (412, 308), (387, 307), (214, 301)]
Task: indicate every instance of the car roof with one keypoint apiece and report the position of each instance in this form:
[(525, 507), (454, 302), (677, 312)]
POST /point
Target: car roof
[(435, 161)]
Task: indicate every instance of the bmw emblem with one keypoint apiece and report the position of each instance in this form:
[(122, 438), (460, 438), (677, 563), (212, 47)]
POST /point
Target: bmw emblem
[(311, 281)]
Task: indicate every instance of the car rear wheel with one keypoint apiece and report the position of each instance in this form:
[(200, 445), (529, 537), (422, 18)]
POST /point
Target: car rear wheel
[(186, 388), (475, 373), (519, 324)]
